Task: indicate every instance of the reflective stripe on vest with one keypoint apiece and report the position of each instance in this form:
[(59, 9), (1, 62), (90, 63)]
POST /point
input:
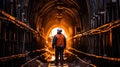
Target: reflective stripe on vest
[(60, 40)]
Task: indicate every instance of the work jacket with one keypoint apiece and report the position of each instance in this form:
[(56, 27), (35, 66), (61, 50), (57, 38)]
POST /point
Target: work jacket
[(59, 40)]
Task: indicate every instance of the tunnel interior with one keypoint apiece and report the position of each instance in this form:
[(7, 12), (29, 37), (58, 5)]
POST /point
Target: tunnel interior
[(58, 13), (91, 27)]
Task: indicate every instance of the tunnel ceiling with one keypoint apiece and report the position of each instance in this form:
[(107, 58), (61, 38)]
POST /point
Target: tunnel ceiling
[(48, 13)]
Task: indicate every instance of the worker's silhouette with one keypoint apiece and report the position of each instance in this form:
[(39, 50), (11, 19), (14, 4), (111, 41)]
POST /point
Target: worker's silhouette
[(59, 43)]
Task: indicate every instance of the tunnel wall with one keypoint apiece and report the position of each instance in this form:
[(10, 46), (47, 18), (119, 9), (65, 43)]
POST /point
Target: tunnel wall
[(16, 41), (103, 44)]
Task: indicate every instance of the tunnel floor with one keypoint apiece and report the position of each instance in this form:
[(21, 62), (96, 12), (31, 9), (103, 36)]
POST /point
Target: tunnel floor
[(72, 61), (37, 63)]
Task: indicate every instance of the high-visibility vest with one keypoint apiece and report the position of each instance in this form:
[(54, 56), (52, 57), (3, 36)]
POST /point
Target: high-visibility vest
[(60, 40)]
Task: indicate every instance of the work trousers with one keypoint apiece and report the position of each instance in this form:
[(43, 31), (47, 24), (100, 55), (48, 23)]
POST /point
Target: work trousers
[(59, 51)]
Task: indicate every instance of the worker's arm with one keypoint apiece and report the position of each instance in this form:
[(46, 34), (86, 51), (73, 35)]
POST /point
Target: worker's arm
[(54, 42)]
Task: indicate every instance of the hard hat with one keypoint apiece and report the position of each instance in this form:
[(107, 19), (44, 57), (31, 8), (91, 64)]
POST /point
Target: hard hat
[(59, 30)]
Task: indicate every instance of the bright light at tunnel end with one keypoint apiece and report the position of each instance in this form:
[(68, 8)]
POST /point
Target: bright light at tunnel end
[(54, 32)]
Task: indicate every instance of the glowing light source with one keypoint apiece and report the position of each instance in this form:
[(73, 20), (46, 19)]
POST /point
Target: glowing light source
[(53, 58), (54, 32)]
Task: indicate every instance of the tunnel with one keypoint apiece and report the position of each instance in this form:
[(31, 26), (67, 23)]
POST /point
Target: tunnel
[(91, 28)]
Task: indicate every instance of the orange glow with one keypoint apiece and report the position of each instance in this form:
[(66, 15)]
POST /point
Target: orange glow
[(67, 30), (51, 35), (54, 32), (49, 56)]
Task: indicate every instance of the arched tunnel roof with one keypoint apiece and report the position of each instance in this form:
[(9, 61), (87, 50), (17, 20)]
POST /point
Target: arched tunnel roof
[(49, 14)]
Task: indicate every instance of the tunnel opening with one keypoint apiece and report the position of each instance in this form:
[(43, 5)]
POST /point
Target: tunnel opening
[(52, 33), (49, 38)]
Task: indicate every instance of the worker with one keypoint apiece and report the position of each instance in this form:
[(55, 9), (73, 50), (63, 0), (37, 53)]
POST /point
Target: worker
[(59, 43)]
